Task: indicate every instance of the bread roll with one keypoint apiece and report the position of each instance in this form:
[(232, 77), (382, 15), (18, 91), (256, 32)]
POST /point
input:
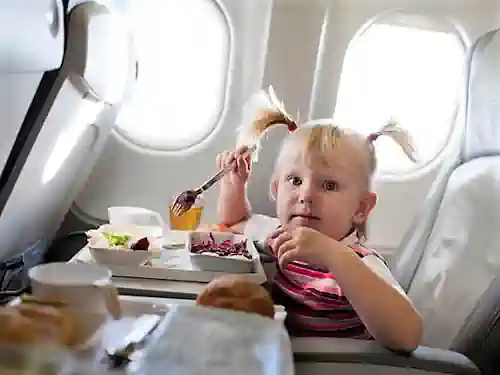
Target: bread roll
[(237, 293), (30, 323), (17, 329), (62, 324)]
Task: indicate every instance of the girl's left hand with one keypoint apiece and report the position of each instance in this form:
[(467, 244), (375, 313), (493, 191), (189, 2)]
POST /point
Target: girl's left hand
[(302, 244)]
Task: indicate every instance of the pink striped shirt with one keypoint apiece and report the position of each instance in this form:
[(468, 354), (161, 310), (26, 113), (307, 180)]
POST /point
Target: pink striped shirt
[(315, 303)]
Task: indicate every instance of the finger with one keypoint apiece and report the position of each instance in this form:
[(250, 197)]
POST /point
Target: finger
[(277, 242), (242, 168), (222, 159), (283, 242), (241, 150), (248, 158), (276, 233), (219, 161), (271, 246), (239, 164), (246, 155), (288, 257), (228, 159), (285, 246), (271, 241)]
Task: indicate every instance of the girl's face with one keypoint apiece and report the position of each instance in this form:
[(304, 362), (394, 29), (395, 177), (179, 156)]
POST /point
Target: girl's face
[(327, 193)]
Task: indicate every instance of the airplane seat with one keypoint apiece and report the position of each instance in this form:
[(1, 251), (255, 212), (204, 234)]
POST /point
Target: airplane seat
[(450, 264), (74, 121), (479, 336)]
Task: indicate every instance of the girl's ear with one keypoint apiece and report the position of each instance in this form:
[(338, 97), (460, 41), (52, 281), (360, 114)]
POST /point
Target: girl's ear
[(273, 191), (275, 187), (366, 205)]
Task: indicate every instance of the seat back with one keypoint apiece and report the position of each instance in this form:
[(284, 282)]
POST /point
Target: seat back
[(461, 257), (458, 258), (479, 337), (77, 117)]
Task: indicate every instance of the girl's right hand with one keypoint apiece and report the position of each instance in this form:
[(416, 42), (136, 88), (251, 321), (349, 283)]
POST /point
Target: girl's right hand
[(241, 171)]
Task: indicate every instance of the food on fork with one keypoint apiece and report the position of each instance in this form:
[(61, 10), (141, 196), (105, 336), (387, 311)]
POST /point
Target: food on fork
[(239, 293), (223, 249)]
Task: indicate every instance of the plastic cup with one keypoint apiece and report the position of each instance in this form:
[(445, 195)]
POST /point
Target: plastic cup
[(189, 220)]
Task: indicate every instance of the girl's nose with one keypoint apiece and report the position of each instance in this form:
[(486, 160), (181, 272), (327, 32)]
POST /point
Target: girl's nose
[(306, 193)]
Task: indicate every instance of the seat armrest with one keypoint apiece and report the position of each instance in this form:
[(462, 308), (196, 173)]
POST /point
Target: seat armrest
[(364, 352)]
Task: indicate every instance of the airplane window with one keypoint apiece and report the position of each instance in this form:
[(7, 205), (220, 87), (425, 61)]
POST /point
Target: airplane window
[(183, 52), (411, 74)]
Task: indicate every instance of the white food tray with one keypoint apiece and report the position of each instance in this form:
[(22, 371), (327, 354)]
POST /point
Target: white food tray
[(174, 265)]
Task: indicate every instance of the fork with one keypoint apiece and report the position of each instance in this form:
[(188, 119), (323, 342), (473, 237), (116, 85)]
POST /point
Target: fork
[(186, 199)]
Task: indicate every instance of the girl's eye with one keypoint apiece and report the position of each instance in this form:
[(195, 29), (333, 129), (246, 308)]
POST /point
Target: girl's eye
[(330, 185), (294, 180)]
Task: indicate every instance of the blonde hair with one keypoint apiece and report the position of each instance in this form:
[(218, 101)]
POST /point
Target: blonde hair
[(323, 138)]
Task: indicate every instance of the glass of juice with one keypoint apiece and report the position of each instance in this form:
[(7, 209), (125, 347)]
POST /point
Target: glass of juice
[(189, 220)]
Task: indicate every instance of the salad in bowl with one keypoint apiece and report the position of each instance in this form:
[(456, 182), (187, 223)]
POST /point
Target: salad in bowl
[(130, 245)]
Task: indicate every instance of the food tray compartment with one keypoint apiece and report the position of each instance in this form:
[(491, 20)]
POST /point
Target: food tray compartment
[(122, 256), (219, 263)]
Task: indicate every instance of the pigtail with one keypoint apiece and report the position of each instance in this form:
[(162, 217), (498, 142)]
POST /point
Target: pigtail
[(268, 118), (404, 140), (260, 113), (400, 136)]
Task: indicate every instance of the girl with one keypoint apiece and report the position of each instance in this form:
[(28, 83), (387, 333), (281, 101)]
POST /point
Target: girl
[(328, 281)]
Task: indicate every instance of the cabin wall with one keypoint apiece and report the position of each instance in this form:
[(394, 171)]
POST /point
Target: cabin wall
[(298, 47)]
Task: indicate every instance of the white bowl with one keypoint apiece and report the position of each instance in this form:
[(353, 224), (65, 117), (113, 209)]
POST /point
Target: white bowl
[(119, 257), (122, 256), (217, 263)]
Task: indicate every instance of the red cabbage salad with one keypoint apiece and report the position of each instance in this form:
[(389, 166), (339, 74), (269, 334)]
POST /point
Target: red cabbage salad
[(223, 249)]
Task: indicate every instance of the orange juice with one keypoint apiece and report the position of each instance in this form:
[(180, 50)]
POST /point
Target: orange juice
[(189, 220)]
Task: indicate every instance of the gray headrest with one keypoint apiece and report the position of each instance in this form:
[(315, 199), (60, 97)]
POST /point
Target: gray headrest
[(482, 132)]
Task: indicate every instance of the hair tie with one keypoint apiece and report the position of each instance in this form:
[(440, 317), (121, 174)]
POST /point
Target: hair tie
[(278, 104), (372, 137), (291, 124)]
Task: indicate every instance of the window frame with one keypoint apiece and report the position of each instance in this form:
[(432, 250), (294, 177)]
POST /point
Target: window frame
[(456, 123), (141, 146)]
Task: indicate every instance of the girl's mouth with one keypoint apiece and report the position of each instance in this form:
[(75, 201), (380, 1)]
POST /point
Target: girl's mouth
[(303, 217)]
